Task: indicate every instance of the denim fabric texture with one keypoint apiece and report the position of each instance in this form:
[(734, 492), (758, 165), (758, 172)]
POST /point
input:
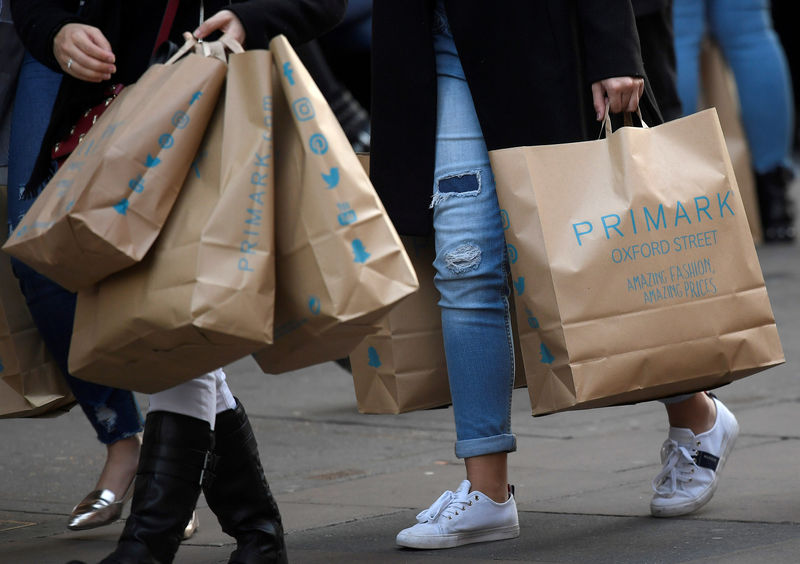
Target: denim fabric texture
[(113, 413), (743, 30), (471, 265)]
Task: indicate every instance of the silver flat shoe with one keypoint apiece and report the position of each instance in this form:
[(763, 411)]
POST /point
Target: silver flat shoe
[(97, 509), (191, 528)]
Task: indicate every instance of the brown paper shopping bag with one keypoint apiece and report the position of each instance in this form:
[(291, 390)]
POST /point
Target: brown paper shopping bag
[(30, 382), (340, 264), (719, 91), (636, 266), (402, 367), (204, 296), (106, 204)]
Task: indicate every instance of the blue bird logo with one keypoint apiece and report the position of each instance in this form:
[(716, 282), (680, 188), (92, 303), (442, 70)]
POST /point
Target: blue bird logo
[(532, 321), (519, 284), (151, 161), (360, 253), (332, 178), (122, 206), (547, 356), (374, 358)]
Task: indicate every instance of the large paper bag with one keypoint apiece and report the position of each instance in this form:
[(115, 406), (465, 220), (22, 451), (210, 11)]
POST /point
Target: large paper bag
[(107, 203), (204, 296), (340, 264), (402, 367), (633, 257), (719, 91), (30, 382)]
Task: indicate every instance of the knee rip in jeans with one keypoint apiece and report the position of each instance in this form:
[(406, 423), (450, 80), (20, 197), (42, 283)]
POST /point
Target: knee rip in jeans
[(463, 258), (107, 417), (464, 185)]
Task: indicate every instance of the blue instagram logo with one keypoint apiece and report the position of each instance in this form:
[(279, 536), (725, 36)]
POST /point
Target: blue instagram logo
[(303, 110)]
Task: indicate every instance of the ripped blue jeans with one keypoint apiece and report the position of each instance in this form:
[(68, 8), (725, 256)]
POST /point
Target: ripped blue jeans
[(113, 413), (471, 267)]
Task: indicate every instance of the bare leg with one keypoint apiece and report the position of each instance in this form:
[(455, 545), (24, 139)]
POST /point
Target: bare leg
[(489, 474), (697, 413), (120, 468)]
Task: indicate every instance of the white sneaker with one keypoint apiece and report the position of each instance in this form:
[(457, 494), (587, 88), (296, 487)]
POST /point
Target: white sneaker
[(692, 464), (462, 517)]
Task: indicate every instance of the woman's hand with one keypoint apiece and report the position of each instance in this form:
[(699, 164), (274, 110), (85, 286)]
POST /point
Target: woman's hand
[(225, 21), (84, 52), (622, 92)]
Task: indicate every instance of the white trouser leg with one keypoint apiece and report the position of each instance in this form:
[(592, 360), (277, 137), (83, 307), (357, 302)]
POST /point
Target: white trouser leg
[(201, 398), (225, 399)]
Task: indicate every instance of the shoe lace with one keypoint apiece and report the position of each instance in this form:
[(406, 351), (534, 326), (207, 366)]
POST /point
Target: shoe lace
[(679, 467), (448, 505)]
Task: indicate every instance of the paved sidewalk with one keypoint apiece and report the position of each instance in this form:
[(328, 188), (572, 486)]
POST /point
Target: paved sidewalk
[(346, 483)]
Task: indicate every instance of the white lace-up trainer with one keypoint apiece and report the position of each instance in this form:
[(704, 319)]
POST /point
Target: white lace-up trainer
[(692, 464), (462, 517)]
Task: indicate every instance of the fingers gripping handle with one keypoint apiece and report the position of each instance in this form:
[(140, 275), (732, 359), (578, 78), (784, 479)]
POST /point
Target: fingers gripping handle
[(627, 121), (218, 49)]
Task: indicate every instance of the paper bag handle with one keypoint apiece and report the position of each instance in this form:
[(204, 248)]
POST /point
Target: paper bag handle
[(218, 49), (627, 121)]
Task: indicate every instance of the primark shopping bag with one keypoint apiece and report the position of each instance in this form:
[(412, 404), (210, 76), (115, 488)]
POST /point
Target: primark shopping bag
[(402, 367), (31, 383), (718, 90), (340, 264), (204, 296), (634, 264), (107, 202)]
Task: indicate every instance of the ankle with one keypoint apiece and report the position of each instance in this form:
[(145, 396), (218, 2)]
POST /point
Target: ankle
[(495, 492), (698, 414), (122, 460)]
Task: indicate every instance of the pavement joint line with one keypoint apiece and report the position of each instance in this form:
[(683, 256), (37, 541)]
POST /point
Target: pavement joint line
[(345, 522), (297, 419), (690, 517), (30, 512), (775, 439), (432, 430)]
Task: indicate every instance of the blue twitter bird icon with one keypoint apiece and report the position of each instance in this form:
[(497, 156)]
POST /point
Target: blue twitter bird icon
[(332, 178)]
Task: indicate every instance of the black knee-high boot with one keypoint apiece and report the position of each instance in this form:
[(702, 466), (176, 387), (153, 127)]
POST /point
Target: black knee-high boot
[(240, 496), (775, 205), (175, 457)]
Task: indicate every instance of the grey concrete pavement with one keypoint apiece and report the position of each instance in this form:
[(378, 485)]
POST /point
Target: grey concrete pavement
[(346, 483)]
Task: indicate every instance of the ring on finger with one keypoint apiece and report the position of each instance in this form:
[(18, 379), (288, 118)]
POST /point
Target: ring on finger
[(69, 63)]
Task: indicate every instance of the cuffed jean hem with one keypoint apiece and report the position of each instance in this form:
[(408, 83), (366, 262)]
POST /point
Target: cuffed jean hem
[(486, 445), (675, 399), (117, 418)]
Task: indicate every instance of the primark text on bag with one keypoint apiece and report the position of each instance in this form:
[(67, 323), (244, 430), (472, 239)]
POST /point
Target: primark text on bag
[(204, 295), (634, 266)]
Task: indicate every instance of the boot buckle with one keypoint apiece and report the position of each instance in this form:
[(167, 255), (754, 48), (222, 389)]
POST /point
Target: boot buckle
[(209, 466)]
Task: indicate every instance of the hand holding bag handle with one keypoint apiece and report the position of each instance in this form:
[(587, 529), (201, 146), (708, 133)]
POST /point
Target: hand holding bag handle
[(218, 49), (627, 121)]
